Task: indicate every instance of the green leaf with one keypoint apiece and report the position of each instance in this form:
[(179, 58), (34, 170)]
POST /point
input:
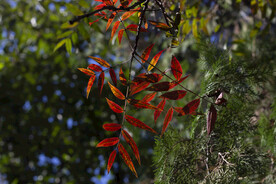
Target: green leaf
[(65, 34), (74, 10), (62, 42), (84, 4), (67, 25), (68, 45), (75, 38)]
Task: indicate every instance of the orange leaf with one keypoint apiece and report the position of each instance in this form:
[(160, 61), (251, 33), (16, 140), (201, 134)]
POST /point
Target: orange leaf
[(86, 71), (176, 68), (120, 35), (174, 95), (112, 127), (110, 20), (149, 97), (132, 144), (136, 122), (108, 142), (111, 159), (108, 2), (141, 104), (189, 108), (115, 107), (152, 78), (101, 82), (90, 23), (155, 60), (160, 106), (113, 76), (90, 84), (95, 68), (146, 53), (122, 77), (211, 119), (127, 14), (134, 27), (167, 120), (115, 27), (160, 25), (116, 92), (100, 61), (137, 88), (126, 158)]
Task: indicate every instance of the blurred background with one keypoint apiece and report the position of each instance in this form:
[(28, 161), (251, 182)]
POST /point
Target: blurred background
[(48, 129)]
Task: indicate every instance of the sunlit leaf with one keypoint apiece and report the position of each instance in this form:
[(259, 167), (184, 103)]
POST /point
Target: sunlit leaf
[(113, 76), (114, 29), (95, 68), (137, 88), (167, 120), (141, 104), (132, 144), (127, 14), (120, 35), (137, 123), (160, 25), (116, 92), (59, 44), (101, 82), (86, 71), (112, 127), (134, 27), (111, 159), (146, 53), (114, 107), (155, 60), (100, 61), (126, 158), (176, 68), (149, 97), (90, 84), (161, 106), (65, 34), (122, 77), (110, 20), (174, 95), (108, 142), (152, 78)]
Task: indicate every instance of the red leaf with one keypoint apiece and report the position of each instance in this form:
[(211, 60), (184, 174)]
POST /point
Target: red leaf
[(112, 127), (113, 76), (115, 107), (174, 83), (167, 120), (152, 78), (211, 119), (100, 61), (95, 68), (160, 25), (174, 95), (110, 20), (100, 6), (133, 27), (149, 97), (189, 108), (141, 104), (115, 27), (162, 86), (120, 35), (126, 158), (132, 144), (127, 14), (122, 77), (108, 142), (161, 106), (101, 82), (176, 68), (86, 71), (154, 60), (90, 23), (146, 53), (136, 122), (111, 159), (137, 88), (90, 84), (108, 2), (116, 92)]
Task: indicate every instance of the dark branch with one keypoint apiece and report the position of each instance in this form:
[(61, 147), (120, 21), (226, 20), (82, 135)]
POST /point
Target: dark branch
[(78, 18)]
